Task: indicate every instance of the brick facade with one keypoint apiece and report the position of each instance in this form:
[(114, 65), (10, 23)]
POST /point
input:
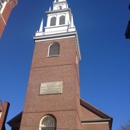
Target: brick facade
[(70, 111), (48, 69)]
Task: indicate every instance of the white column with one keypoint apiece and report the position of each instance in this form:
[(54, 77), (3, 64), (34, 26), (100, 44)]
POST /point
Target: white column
[(72, 21), (57, 20), (48, 21)]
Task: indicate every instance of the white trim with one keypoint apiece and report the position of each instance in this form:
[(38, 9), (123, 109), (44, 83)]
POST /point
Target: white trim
[(49, 50), (2, 18), (94, 123), (64, 25), (49, 39), (51, 117), (3, 6), (0, 113)]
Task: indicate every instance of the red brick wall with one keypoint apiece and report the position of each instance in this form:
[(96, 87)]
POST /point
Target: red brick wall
[(6, 11), (4, 108), (50, 69), (88, 115), (64, 107)]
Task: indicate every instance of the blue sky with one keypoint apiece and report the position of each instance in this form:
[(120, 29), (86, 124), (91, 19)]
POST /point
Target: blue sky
[(105, 64)]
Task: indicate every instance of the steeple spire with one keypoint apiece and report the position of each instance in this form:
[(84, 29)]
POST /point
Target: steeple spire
[(50, 8), (59, 19), (72, 21), (41, 26)]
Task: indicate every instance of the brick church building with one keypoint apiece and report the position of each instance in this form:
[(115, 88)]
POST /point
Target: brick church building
[(6, 7), (53, 95)]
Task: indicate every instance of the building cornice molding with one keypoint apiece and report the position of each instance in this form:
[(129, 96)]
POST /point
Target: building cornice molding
[(59, 2), (58, 11), (60, 36), (95, 121), (54, 38)]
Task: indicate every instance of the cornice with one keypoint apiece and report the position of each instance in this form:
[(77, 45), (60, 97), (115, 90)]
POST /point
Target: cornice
[(59, 2), (58, 11)]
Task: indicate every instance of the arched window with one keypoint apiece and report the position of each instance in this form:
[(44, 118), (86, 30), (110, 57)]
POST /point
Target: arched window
[(0, 113), (60, 7), (53, 21), (62, 20), (1, 4), (48, 123), (54, 49)]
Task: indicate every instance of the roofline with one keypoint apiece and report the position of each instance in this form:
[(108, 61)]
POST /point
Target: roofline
[(97, 111), (9, 122)]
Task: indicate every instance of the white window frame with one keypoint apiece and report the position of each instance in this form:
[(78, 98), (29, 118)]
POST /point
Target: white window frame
[(3, 6), (49, 50), (0, 113), (41, 126)]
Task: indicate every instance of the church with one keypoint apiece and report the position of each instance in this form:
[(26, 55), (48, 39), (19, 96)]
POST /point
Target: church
[(53, 95)]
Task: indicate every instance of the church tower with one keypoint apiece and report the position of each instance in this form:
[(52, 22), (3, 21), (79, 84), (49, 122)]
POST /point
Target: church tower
[(53, 88), (53, 96)]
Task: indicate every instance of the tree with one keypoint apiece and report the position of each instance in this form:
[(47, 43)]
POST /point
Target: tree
[(126, 126)]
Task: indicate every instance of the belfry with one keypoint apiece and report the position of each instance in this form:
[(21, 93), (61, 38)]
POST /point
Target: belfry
[(53, 96)]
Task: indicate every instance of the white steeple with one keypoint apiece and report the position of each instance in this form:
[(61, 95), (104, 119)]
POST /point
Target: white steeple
[(59, 19)]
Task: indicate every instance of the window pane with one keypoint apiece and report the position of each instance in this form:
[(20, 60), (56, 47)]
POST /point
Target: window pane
[(60, 7), (0, 113), (54, 49), (53, 21), (62, 20), (48, 123), (0, 6)]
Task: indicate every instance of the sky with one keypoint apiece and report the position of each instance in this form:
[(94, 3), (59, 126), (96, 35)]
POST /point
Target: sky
[(105, 64)]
